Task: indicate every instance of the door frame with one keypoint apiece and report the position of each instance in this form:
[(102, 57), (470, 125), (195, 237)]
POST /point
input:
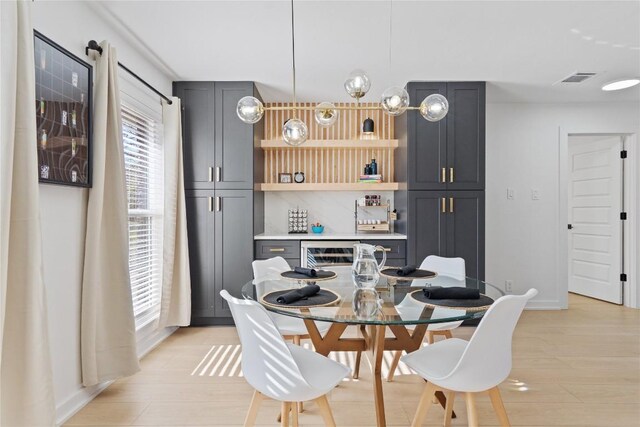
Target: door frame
[(631, 296)]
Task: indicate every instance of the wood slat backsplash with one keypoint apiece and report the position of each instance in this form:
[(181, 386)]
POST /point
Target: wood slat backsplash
[(348, 125)]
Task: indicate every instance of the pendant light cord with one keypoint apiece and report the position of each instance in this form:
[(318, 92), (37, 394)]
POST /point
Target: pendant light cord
[(293, 58)]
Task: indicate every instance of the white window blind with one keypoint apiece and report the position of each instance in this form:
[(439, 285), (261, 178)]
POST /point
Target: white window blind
[(143, 158)]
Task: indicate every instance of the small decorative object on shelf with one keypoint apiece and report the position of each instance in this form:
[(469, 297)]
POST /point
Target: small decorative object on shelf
[(368, 129), (285, 178), (374, 167), (297, 220), (298, 177), (373, 179), (317, 228)]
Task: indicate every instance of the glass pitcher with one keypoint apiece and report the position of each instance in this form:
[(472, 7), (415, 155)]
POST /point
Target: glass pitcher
[(365, 270)]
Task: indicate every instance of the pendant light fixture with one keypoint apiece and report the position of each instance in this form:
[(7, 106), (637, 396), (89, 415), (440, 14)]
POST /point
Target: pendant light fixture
[(394, 101)]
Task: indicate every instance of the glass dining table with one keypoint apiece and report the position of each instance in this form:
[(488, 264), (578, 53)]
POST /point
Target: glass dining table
[(394, 306)]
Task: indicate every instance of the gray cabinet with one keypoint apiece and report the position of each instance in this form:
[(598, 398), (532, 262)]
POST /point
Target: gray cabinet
[(448, 154), (223, 211), (448, 224), (233, 244)]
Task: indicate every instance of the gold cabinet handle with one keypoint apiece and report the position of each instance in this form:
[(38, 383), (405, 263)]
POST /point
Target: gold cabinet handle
[(210, 174), (443, 204), (451, 204), (386, 249), (210, 204), (218, 173), (450, 174), (276, 249), (218, 204), (444, 175)]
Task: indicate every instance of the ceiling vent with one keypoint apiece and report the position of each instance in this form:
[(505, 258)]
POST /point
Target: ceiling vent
[(577, 77)]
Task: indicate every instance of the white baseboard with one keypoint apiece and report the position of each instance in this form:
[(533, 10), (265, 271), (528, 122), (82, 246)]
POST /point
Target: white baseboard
[(544, 305), (84, 395)]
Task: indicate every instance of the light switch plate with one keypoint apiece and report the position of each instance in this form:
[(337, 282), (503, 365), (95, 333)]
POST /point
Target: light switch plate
[(535, 194), (510, 193)]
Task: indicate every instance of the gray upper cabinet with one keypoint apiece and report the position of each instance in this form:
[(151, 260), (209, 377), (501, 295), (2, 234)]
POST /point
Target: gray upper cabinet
[(233, 243), (465, 136), (234, 139), (198, 133), (448, 154)]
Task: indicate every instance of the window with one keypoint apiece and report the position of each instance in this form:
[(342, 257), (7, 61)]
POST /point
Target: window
[(143, 160)]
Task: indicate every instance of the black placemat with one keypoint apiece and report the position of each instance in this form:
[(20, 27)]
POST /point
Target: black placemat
[(323, 298), (322, 275), (480, 304), (417, 274)]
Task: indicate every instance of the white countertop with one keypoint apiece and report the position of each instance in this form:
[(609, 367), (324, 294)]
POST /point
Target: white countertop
[(330, 236)]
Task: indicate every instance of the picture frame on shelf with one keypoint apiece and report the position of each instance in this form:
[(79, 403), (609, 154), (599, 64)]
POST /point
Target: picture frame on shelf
[(285, 178), (64, 96)]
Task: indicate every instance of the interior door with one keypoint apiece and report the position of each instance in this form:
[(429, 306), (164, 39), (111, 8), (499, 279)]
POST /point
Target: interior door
[(595, 200)]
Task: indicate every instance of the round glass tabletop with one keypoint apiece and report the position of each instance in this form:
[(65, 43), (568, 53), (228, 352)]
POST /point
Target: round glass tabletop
[(390, 303)]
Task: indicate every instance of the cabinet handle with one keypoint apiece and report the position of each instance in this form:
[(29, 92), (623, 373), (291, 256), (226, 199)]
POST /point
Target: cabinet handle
[(210, 174), (450, 174), (218, 173), (218, 204), (444, 175), (276, 250), (386, 249), (210, 204), (443, 205), (451, 204)]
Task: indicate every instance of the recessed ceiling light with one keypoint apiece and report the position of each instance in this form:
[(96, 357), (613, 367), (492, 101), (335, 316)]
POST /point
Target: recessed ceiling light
[(620, 84)]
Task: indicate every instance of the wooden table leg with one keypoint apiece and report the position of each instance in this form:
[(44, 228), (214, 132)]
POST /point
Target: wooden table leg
[(377, 349)]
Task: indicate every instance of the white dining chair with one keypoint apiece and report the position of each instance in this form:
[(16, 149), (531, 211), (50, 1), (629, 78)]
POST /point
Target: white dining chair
[(450, 267), (470, 367), (279, 370)]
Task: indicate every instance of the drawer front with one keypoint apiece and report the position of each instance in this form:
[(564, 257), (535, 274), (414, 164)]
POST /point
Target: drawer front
[(395, 248), (266, 249)]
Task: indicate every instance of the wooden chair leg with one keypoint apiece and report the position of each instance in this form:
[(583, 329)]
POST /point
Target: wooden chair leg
[(448, 410), (296, 339), (250, 419), (498, 406), (300, 407), (430, 337), (325, 410), (424, 405), (356, 369), (294, 414), (284, 413), (448, 334), (472, 413), (394, 364)]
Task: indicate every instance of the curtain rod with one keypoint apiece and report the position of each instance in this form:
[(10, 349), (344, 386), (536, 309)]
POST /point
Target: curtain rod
[(93, 45)]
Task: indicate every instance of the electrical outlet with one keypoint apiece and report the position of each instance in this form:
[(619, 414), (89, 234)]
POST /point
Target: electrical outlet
[(508, 286), (510, 193), (535, 194)]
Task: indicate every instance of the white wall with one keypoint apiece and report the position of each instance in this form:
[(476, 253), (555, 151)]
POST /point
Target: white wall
[(523, 154), (63, 209)]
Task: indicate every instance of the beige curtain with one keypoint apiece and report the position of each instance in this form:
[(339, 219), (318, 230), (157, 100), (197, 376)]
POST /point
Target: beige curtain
[(25, 373), (176, 282), (108, 338)]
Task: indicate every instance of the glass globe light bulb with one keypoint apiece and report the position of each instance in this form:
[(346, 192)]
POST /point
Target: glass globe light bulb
[(395, 100), (357, 84), (250, 109), (326, 114), (434, 107), (294, 132)]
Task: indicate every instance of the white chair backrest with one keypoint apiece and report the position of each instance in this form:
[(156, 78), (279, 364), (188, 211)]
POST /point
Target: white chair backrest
[(267, 363), (269, 268), (453, 267), (486, 361)]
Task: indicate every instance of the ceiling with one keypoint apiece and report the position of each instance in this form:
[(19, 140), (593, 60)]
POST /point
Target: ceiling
[(521, 48)]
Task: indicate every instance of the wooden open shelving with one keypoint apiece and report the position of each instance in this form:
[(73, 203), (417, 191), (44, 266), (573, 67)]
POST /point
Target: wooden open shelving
[(340, 186), (332, 143)]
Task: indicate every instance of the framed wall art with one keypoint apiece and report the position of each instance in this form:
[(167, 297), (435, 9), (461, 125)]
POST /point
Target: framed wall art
[(63, 114)]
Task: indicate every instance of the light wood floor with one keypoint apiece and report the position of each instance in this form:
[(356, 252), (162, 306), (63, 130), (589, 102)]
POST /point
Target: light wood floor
[(577, 367)]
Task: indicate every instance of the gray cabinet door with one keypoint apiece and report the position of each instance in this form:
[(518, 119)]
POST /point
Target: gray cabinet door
[(200, 228), (233, 244), (234, 138), (426, 141), (466, 136), (198, 133), (426, 231), (465, 229)]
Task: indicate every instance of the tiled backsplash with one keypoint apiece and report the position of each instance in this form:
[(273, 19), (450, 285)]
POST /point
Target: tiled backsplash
[(333, 209)]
